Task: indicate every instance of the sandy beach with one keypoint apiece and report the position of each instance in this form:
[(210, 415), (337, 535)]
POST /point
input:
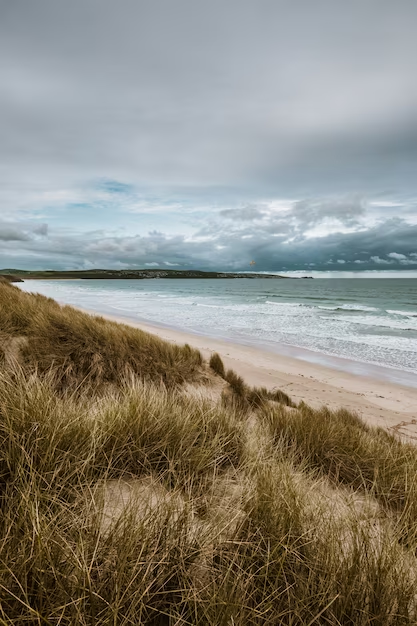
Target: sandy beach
[(378, 402)]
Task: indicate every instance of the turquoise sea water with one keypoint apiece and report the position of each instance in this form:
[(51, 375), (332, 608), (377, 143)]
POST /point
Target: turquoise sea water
[(363, 321)]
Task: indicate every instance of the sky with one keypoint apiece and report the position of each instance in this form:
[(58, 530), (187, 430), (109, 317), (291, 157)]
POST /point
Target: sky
[(206, 135)]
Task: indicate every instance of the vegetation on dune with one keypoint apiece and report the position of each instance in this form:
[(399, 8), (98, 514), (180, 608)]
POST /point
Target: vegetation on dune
[(127, 499), (251, 397), (82, 349), (347, 451), (216, 364)]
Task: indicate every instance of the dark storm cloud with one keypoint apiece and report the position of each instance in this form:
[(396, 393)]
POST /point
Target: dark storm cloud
[(229, 250)]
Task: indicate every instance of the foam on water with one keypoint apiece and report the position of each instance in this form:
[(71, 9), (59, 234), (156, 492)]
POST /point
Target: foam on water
[(286, 304), (350, 318), (378, 321), (349, 307), (404, 313)]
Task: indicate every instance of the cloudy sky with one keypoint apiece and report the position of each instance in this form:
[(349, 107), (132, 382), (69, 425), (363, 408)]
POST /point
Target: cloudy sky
[(179, 133)]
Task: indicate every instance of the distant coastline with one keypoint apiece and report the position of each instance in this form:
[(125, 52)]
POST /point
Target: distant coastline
[(14, 275)]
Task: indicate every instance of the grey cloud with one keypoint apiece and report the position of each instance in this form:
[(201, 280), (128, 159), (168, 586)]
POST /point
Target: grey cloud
[(292, 222), (39, 229), (227, 250), (379, 261), (244, 214), (311, 212), (10, 231), (216, 109), (278, 97)]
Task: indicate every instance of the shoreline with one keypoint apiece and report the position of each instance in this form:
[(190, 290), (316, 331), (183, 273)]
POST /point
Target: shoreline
[(380, 403)]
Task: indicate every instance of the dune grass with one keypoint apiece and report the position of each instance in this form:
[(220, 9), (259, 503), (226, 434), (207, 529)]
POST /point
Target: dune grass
[(217, 365), (125, 500), (84, 349), (348, 452), (244, 395)]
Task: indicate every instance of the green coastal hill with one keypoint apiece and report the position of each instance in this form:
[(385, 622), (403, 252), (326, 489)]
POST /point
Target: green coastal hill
[(128, 274)]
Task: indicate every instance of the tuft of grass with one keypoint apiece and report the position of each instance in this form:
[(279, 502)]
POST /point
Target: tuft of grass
[(217, 365), (258, 396), (252, 397), (237, 383), (341, 446)]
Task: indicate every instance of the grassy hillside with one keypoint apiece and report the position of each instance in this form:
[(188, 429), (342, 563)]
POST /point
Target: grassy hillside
[(128, 274), (139, 485), (81, 349)]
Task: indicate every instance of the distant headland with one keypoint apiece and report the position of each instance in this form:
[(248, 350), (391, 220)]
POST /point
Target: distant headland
[(14, 275)]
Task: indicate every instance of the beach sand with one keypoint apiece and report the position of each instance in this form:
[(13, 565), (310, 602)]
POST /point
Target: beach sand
[(378, 402)]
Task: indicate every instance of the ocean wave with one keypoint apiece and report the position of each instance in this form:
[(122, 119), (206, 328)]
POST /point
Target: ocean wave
[(377, 322), (211, 306), (403, 313), (349, 307), (284, 303), (227, 307)]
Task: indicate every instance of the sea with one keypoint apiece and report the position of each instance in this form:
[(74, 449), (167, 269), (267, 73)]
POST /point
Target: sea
[(365, 326)]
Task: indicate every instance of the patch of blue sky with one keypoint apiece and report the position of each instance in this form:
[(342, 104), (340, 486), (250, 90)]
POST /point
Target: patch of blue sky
[(115, 187), (116, 218), (122, 208)]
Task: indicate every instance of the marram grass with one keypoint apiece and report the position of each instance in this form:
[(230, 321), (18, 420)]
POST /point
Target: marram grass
[(126, 499), (82, 349)]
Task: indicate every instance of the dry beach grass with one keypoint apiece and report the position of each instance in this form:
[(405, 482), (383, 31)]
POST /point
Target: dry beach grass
[(127, 498)]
